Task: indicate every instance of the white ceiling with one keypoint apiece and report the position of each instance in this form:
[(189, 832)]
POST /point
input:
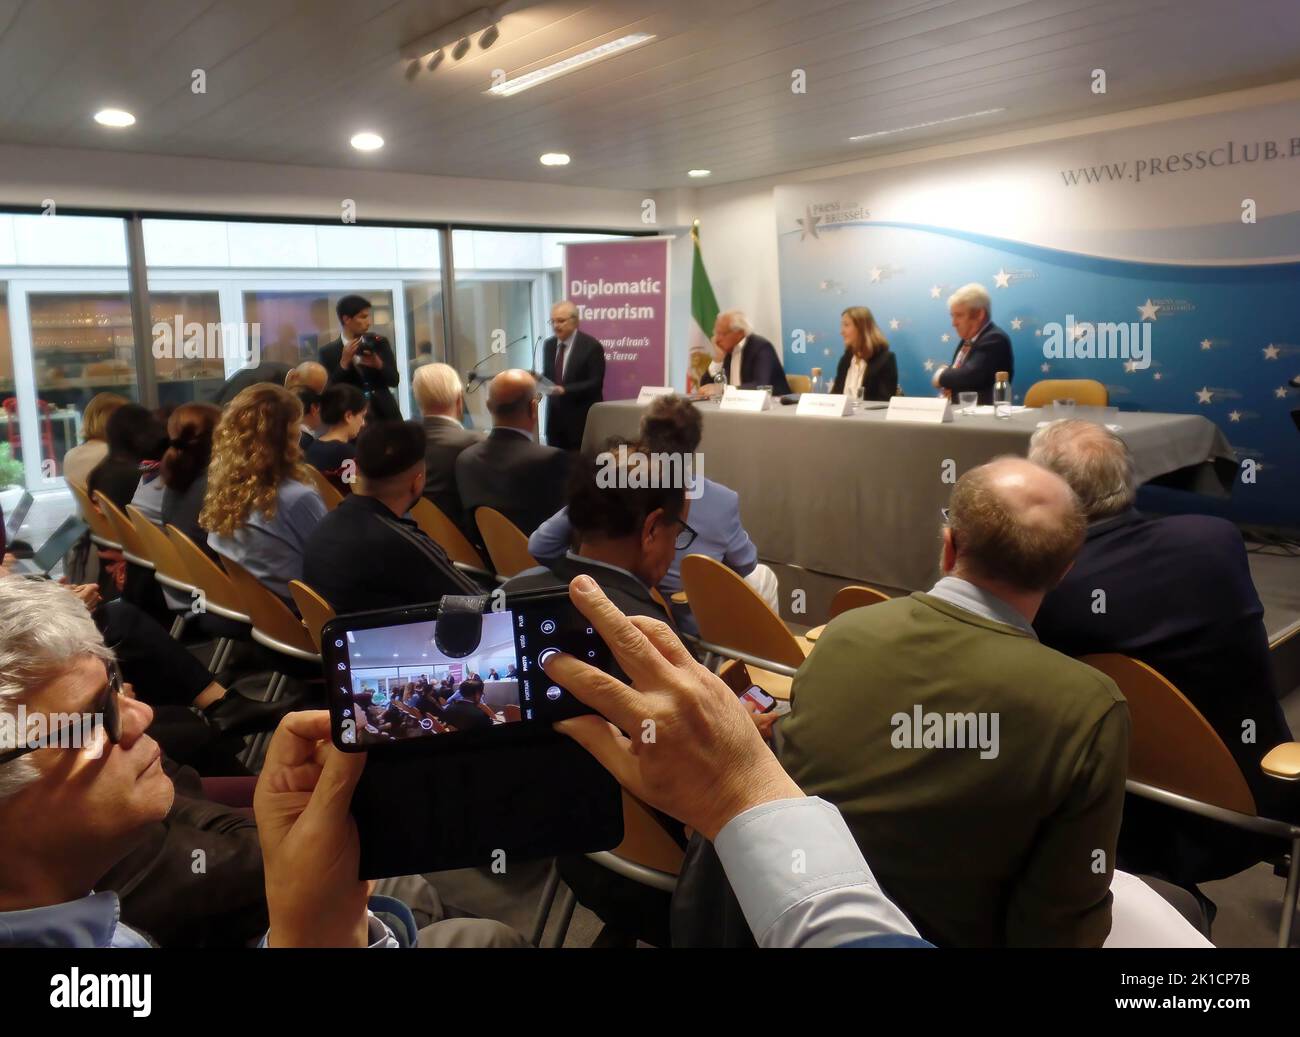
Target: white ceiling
[(289, 81)]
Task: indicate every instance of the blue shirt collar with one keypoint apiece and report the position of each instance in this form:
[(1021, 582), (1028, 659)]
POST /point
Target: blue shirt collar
[(965, 595), (92, 921)]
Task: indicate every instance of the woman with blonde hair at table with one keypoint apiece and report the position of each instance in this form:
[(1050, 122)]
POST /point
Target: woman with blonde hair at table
[(868, 362)]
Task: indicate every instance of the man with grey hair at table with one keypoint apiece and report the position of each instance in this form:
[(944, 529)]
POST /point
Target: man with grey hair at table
[(1176, 593), (742, 358), (983, 348)]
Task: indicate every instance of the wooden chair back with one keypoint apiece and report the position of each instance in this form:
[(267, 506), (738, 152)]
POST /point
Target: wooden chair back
[(730, 613), (506, 544)]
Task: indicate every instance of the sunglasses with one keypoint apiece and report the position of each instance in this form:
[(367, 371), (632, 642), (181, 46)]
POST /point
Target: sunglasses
[(106, 705)]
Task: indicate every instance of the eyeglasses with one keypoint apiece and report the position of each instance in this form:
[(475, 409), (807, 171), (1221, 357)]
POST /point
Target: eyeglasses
[(106, 704), (686, 537), (560, 320), (944, 513)]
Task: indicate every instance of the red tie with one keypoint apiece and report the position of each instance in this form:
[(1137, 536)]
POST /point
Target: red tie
[(559, 363), (961, 356)]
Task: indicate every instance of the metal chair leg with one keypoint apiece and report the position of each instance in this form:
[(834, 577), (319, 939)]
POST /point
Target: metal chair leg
[(568, 901), (219, 654), (544, 905), (1289, 898), (178, 625)]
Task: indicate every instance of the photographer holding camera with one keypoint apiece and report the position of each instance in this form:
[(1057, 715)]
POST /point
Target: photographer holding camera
[(360, 358)]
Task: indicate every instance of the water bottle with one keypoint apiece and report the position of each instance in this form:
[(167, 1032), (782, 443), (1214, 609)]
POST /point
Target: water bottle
[(1002, 395), (816, 379)]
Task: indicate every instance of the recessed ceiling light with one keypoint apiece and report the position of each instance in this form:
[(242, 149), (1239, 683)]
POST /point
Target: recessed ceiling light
[(699, 172), (413, 69), (461, 48), (490, 35), (367, 141), (555, 158), (560, 68), (924, 125), (114, 117), (435, 60)]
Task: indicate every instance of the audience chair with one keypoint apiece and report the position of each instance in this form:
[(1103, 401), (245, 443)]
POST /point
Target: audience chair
[(168, 569), (1086, 392), (846, 599), (314, 609), (219, 594), (735, 623), (799, 382), (328, 491), (506, 544), (1178, 759), (102, 533), (133, 548), (275, 628), (447, 535)]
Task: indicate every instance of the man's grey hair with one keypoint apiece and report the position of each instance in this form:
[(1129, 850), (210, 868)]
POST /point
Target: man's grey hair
[(437, 387), (1093, 460), (974, 295), (735, 320), (565, 304), (44, 629)]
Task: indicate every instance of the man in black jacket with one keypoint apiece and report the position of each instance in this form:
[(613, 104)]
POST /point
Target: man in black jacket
[(575, 362), (742, 358), (441, 396), (509, 471), (983, 350), (364, 554), (1176, 593), (363, 359)]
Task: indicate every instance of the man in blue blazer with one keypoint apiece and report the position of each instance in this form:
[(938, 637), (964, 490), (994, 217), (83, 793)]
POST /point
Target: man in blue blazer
[(743, 359), (984, 348)]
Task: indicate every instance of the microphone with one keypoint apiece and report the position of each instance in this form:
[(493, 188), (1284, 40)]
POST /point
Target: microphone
[(473, 378)]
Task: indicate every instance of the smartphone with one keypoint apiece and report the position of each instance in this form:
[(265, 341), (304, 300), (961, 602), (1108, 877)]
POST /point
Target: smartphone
[(764, 702), (453, 681)]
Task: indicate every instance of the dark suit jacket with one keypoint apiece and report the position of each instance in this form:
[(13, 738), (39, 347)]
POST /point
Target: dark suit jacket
[(443, 444), (509, 472), (623, 589), (759, 365), (584, 383), (881, 379), (1179, 597), (377, 385), (990, 353)]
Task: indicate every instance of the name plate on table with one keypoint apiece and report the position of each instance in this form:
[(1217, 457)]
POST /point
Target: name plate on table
[(752, 400), (824, 404), (934, 410), (649, 392)]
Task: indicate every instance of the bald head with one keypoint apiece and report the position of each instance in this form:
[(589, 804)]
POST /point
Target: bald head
[(512, 400), (1093, 460), (309, 374), (1014, 522)]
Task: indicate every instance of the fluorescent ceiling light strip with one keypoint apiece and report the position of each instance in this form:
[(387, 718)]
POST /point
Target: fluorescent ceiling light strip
[(924, 125), (560, 68)]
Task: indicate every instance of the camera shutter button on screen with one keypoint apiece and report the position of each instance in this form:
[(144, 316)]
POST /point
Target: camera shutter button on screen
[(546, 654)]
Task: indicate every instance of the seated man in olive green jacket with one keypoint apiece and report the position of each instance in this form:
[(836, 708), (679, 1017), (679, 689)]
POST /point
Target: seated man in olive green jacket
[(981, 773)]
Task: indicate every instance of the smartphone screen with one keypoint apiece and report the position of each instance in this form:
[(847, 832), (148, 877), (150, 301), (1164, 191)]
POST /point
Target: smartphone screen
[(393, 679), (761, 699)]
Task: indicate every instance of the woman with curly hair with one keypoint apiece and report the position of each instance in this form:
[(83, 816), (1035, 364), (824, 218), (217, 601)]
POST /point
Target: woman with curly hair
[(261, 504)]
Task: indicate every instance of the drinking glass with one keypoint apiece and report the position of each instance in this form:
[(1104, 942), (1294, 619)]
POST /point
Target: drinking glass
[(968, 400)]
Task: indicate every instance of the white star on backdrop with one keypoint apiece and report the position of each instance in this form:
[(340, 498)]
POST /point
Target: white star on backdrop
[(1130, 366), (1038, 331), (1280, 392), (811, 336), (875, 274), (1045, 368), (1203, 395), (1234, 415), (934, 291), (1148, 310), (1080, 330), (894, 324), (808, 225), (826, 352), (944, 337), (1157, 376), (928, 365), (1205, 343), (1015, 323), (1270, 352), (1002, 278)]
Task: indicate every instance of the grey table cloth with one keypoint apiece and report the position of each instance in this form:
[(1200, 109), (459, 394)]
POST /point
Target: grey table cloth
[(860, 497)]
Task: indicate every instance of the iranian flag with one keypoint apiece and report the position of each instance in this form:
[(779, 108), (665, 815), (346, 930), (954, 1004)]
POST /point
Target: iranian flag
[(704, 314)]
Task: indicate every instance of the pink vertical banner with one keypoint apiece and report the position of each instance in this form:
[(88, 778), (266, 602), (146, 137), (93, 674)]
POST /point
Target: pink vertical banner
[(621, 291)]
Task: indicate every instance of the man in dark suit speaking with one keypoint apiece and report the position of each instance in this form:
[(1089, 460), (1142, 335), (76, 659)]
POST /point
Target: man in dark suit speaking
[(575, 362), (983, 351), (362, 359), (742, 358)]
